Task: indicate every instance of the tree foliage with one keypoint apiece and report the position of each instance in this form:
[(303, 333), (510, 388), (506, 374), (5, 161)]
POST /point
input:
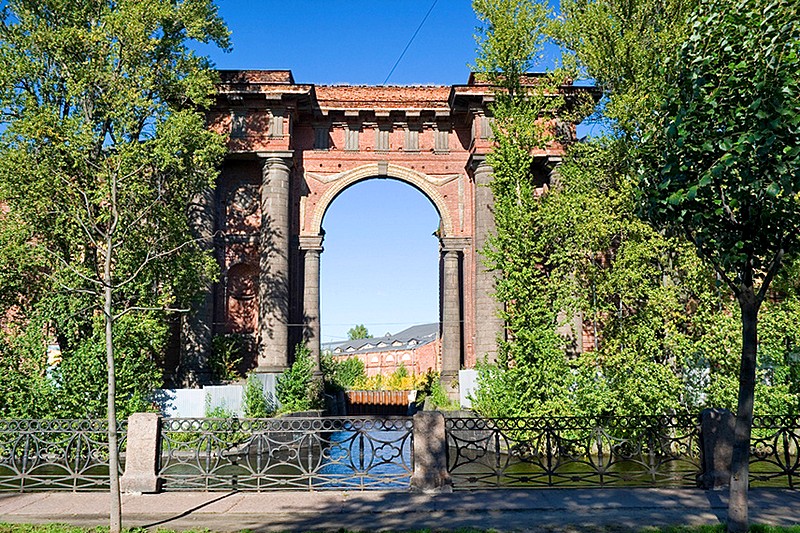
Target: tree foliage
[(342, 374), (359, 331), (623, 46), (530, 363), (104, 143), (297, 389), (723, 168), (664, 330)]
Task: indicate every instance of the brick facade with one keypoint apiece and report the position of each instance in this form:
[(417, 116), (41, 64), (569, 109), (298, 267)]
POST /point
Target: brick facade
[(301, 145)]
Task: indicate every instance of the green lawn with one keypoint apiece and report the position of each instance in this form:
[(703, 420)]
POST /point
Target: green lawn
[(64, 528)]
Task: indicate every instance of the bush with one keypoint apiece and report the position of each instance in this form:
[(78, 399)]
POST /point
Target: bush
[(431, 387), (226, 357), (296, 388), (256, 404), (344, 374)]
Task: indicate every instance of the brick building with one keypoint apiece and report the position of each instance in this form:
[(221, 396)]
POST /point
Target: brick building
[(416, 348)]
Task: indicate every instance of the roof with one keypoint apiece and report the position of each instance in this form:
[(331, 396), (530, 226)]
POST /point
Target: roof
[(408, 339), (382, 97)]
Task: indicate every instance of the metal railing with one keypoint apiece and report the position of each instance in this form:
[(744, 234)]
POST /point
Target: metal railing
[(774, 447), (286, 453), (359, 453), (573, 452), (39, 455)]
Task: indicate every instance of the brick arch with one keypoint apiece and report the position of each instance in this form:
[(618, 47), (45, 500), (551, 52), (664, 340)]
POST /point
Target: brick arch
[(416, 179)]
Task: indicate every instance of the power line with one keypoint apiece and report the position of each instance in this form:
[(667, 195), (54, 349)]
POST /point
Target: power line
[(409, 42)]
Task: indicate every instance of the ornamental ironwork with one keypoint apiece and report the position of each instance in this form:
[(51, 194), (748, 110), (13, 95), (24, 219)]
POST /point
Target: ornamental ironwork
[(286, 453), (774, 446), (37, 455), (573, 452)]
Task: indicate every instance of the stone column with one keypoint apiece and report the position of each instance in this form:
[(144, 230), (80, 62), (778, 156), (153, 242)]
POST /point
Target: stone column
[(273, 291), (451, 313), (488, 324), (196, 326), (312, 248)]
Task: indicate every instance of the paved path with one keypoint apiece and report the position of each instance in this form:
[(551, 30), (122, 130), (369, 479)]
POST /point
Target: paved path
[(567, 510)]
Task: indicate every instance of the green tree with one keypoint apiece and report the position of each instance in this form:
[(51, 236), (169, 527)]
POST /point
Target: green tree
[(633, 288), (343, 374), (103, 146), (256, 403), (529, 377), (359, 331), (622, 46), (723, 168)]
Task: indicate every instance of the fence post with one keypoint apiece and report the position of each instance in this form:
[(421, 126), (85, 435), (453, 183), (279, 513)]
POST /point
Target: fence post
[(716, 444), (141, 456), (430, 454)]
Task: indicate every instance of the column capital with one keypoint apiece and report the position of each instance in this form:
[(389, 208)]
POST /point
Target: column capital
[(477, 163), (310, 242), (276, 159), (455, 244)]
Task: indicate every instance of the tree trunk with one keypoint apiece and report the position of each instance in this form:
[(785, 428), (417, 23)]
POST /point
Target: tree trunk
[(738, 521), (115, 516)]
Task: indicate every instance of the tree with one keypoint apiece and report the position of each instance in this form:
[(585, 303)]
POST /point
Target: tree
[(529, 376), (103, 146), (359, 331), (622, 46), (723, 169)]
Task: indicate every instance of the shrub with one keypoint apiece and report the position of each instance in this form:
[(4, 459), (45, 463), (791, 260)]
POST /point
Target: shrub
[(343, 374), (226, 357), (256, 404), (296, 389)]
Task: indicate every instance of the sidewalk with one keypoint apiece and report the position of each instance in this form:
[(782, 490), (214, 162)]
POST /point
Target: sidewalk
[(561, 510)]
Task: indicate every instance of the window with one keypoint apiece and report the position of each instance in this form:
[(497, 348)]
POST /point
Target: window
[(238, 123), (321, 138)]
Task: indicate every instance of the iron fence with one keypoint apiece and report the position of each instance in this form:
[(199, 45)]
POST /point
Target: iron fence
[(774, 445), (573, 452), (38, 455), (377, 453), (286, 453)]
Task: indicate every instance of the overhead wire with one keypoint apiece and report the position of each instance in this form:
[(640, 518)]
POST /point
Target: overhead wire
[(409, 42)]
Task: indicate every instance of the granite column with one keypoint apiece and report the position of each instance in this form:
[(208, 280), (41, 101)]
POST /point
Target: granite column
[(488, 325), (273, 293), (311, 246)]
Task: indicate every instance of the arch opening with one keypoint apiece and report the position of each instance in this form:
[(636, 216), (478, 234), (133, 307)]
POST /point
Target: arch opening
[(381, 265)]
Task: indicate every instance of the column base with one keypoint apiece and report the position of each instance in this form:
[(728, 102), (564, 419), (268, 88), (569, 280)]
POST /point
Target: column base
[(269, 369), (449, 381)]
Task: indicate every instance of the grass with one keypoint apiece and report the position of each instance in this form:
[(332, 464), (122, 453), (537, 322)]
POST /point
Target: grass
[(65, 528)]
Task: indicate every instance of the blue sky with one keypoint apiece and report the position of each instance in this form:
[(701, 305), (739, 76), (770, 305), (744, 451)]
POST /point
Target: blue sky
[(351, 41), (380, 264)]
